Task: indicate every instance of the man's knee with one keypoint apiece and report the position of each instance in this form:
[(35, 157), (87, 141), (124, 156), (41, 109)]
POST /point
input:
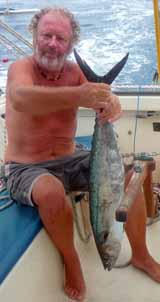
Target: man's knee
[(48, 193)]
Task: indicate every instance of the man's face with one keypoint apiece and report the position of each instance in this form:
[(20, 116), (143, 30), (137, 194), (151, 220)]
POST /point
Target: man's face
[(53, 41)]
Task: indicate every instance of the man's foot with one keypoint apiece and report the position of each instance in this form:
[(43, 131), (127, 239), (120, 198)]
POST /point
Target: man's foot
[(149, 266), (74, 281)]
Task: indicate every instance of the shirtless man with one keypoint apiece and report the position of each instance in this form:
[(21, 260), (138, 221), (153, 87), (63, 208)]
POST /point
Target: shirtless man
[(44, 92)]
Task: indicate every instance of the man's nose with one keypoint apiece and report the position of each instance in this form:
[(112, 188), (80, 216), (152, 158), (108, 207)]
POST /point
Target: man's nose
[(53, 41)]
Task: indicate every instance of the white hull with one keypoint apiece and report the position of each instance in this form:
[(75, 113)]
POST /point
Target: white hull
[(125, 126)]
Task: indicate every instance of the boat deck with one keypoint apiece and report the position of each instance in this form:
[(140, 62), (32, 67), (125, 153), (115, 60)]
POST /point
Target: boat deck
[(39, 273)]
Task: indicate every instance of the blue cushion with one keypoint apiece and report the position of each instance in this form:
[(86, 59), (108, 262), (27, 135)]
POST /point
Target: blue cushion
[(84, 140), (19, 224)]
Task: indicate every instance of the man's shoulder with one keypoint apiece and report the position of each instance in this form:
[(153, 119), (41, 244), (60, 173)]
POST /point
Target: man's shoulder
[(73, 67), (76, 71), (23, 62)]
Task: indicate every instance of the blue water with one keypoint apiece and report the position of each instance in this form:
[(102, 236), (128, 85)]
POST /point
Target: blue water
[(109, 29)]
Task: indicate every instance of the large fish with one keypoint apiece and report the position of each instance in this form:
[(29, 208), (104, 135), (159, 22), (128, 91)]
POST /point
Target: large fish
[(106, 177)]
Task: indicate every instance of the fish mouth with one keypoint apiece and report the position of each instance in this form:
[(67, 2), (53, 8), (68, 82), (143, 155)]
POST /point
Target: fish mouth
[(109, 251), (107, 257), (108, 261)]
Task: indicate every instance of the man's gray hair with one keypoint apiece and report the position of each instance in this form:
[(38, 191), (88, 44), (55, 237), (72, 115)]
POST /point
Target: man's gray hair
[(62, 11)]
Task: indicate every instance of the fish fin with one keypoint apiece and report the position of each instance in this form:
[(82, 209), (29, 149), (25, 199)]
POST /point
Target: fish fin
[(91, 76), (88, 72), (113, 73)]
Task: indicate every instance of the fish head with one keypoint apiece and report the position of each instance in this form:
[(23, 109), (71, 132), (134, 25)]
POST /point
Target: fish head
[(109, 249)]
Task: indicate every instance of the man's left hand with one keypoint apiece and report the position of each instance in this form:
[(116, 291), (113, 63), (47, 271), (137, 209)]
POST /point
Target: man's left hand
[(111, 111)]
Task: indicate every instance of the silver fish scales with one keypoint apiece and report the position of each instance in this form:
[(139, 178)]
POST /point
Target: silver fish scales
[(106, 177), (106, 192)]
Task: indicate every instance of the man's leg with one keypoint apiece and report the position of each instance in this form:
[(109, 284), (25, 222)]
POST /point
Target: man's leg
[(136, 232), (54, 209)]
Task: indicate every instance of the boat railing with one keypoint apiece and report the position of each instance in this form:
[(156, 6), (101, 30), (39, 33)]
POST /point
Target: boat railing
[(15, 33), (136, 90), (10, 44), (11, 11)]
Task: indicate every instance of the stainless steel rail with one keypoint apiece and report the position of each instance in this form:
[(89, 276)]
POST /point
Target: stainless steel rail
[(15, 33), (10, 11), (11, 46), (136, 90)]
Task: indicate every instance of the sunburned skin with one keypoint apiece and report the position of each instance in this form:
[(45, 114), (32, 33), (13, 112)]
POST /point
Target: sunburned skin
[(52, 43), (45, 137), (34, 138), (40, 137)]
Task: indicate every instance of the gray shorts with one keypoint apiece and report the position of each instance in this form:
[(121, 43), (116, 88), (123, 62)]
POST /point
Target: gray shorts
[(72, 171)]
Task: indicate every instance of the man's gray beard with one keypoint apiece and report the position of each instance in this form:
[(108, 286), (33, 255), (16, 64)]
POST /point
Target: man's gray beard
[(50, 64)]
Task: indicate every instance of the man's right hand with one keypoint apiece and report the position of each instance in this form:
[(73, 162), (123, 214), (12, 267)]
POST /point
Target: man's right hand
[(99, 97), (94, 95)]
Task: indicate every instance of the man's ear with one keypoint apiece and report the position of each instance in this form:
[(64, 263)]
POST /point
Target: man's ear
[(70, 48)]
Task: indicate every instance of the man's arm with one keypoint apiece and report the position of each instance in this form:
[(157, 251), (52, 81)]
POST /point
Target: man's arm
[(27, 97)]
